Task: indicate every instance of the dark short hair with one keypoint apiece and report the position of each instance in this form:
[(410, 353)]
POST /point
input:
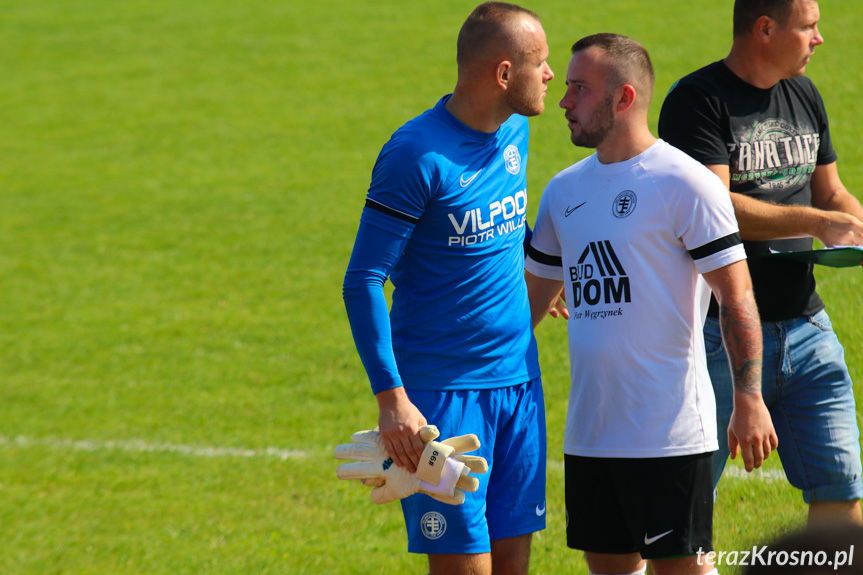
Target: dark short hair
[(747, 12), (630, 62), (488, 28)]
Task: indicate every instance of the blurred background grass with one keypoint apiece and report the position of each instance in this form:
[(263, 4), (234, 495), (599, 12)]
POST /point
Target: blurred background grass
[(180, 185)]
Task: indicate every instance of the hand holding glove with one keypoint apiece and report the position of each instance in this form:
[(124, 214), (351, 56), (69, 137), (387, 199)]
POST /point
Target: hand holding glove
[(443, 472)]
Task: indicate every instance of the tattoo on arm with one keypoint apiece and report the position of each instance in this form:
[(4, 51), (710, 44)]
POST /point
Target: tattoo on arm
[(741, 332)]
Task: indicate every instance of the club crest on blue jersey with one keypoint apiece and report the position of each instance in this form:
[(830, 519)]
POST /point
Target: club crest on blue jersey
[(512, 159)]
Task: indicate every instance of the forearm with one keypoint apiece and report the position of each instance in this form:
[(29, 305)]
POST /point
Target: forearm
[(740, 324), (542, 295), (368, 315), (833, 223), (843, 201), (751, 429), (741, 333), (762, 221), (830, 194), (375, 252)]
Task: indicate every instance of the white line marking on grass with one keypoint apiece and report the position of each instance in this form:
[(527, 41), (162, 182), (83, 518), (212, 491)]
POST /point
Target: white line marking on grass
[(735, 472), (138, 446)]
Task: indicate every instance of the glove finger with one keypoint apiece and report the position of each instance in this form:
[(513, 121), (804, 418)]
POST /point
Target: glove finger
[(475, 463), (467, 483), (443, 450), (381, 495), (376, 482), (463, 443), (358, 470), (428, 433), (358, 451), (456, 499), (366, 436)]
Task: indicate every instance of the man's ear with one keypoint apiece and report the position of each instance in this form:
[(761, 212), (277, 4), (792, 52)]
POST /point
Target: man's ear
[(764, 27), (625, 97), (503, 71)]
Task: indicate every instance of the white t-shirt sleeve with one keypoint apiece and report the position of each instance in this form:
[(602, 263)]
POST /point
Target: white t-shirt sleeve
[(704, 219)]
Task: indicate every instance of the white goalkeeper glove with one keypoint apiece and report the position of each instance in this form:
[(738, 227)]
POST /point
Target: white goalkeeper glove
[(443, 472)]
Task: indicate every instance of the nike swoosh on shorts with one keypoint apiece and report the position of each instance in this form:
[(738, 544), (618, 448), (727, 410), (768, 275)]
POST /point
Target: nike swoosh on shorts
[(652, 540)]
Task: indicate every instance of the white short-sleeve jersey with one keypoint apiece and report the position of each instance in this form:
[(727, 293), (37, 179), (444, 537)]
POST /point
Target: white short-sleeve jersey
[(629, 241)]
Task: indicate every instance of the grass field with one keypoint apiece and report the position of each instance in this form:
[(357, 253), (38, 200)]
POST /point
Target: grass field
[(180, 184)]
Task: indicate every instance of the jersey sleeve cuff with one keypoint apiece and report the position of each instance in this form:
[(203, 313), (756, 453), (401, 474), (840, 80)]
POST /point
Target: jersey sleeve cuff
[(379, 386), (720, 259)]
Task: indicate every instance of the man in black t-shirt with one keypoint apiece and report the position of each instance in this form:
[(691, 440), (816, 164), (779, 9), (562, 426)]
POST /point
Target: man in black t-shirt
[(761, 126)]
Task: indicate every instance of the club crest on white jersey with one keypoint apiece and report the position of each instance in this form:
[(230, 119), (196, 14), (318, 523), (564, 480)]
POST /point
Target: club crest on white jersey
[(624, 204)]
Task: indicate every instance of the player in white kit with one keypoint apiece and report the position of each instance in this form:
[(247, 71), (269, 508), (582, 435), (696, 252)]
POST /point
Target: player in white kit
[(631, 233)]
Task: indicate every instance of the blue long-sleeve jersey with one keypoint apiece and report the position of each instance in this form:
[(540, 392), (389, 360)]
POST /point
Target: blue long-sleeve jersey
[(444, 219)]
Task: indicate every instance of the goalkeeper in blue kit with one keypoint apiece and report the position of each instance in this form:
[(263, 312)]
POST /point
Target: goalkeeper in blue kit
[(444, 220)]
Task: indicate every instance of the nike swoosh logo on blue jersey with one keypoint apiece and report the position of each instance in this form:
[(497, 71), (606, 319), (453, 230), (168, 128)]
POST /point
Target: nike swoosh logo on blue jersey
[(465, 183), (540, 512), (652, 540), (570, 210)]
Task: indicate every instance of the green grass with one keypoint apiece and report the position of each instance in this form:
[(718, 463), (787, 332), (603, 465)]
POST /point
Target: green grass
[(180, 184)]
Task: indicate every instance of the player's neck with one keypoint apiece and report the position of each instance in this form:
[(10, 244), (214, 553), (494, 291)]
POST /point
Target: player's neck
[(624, 145), (474, 111), (746, 64)]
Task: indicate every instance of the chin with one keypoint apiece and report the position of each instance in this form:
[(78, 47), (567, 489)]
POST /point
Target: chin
[(534, 111)]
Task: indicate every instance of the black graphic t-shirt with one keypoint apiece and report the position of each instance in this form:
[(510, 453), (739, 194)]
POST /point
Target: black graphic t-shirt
[(771, 141)]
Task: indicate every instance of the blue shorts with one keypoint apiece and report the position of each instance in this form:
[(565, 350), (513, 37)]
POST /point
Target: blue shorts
[(808, 391), (510, 424)]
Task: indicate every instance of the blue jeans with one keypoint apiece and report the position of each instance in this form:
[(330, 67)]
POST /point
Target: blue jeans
[(808, 391)]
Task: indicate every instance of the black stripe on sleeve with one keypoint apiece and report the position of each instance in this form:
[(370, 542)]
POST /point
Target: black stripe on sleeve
[(391, 212), (716, 246), (542, 258)]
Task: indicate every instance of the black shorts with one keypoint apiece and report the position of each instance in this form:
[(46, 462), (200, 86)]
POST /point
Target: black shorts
[(659, 507)]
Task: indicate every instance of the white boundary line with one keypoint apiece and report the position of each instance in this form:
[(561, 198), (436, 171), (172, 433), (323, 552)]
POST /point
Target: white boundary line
[(139, 446), (735, 472)]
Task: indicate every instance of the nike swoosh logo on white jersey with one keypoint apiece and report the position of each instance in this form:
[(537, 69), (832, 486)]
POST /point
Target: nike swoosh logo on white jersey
[(465, 183), (652, 540), (540, 512), (570, 210)]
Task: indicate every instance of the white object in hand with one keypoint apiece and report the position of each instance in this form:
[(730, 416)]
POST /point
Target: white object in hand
[(444, 472)]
